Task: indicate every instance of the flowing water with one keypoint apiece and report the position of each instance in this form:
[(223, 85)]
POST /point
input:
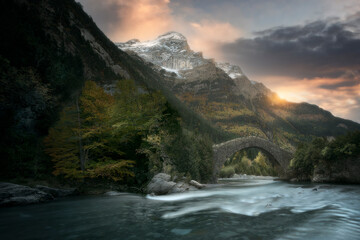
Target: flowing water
[(243, 209)]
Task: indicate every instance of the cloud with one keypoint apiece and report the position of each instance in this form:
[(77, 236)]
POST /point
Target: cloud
[(206, 35), (220, 32), (340, 99), (328, 48), (122, 20), (349, 79), (318, 62)]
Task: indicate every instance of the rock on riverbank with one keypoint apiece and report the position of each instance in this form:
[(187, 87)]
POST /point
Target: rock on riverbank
[(162, 184), (14, 194), (346, 171)]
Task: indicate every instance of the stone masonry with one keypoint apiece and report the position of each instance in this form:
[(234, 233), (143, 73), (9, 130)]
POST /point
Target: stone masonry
[(222, 151)]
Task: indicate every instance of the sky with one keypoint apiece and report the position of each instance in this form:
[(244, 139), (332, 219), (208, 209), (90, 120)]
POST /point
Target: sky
[(304, 50)]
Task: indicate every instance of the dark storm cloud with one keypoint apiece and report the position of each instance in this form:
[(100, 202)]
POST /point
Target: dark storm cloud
[(322, 49), (339, 85), (349, 79)]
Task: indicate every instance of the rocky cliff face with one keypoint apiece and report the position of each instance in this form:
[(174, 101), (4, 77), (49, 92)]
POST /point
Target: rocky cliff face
[(189, 71), (250, 89), (345, 171), (232, 70), (169, 51)]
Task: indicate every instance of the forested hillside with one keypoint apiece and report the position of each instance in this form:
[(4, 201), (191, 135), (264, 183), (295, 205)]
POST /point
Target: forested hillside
[(69, 106), (225, 96)]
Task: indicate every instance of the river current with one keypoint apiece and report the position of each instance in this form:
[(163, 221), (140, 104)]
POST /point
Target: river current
[(235, 209)]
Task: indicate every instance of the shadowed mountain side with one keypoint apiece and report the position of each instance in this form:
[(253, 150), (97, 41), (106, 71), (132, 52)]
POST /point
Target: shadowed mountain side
[(48, 52), (62, 27)]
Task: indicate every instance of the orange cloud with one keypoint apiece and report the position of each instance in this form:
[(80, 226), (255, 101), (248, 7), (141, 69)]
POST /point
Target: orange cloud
[(146, 19), (142, 19), (206, 35), (342, 101), (123, 20)]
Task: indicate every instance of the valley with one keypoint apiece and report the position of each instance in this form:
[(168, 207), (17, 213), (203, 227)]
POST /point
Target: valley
[(224, 95), (102, 139)]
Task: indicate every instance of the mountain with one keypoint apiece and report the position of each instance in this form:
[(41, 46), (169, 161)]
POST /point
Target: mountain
[(170, 51), (224, 95), (51, 50), (188, 71), (63, 47), (48, 51)]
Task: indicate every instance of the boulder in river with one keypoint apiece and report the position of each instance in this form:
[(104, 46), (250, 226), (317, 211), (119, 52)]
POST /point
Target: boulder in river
[(161, 184), (14, 194), (345, 171)]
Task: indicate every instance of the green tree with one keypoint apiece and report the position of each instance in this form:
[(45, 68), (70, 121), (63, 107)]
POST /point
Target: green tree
[(62, 145), (323, 152), (81, 143), (307, 156), (137, 111)]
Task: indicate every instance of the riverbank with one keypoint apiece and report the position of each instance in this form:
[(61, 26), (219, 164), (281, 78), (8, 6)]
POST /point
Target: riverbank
[(241, 209), (249, 177), (40, 191), (33, 192), (24, 191), (14, 194), (346, 171)]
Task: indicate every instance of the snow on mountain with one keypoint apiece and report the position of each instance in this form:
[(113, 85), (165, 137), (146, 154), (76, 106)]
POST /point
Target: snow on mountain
[(172, 53), (169, 51), (172, 71), (231, 70)]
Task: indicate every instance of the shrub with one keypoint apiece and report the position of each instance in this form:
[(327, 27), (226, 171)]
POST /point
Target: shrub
[(227, 172)]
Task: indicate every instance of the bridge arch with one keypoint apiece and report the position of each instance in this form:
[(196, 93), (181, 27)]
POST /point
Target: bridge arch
[(222, 151)]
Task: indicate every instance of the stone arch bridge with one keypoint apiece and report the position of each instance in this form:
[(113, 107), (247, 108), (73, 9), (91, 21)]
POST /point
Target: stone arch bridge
[(222, 151)]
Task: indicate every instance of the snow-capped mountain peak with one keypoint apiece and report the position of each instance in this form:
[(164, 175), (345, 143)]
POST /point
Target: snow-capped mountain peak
[(171, 54), (172, 36), (174, 41), (169, 51)]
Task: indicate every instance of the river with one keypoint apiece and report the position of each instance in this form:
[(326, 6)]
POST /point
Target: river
[(242, 209)]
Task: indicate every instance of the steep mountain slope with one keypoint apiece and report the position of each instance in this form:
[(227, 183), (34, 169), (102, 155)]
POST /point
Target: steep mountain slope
[(170, 51), (53, 37), (223, 94), (187, 71), (50, 48)]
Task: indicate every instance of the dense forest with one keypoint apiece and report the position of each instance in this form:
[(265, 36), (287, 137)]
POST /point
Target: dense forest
[(327, 154), (128, 136), (125, 136), (250, 162)]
